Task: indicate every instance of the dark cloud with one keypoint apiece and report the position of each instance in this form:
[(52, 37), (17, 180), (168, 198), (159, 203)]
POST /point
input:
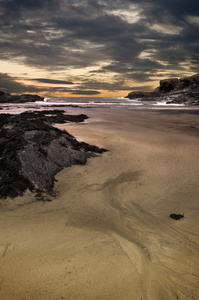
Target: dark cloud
[(118, 85), (53, 81), (176, 8), (70, 34), (89, 93), (10, 85), (136, 68), (30, 4)]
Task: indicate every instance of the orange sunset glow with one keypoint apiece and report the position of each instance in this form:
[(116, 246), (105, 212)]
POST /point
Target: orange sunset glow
[(95, 48)]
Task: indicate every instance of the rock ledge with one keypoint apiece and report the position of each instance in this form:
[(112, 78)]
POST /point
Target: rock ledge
[(32, 151)]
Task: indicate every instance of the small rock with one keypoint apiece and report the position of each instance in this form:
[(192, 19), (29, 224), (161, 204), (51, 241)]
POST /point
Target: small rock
[(176, 216)]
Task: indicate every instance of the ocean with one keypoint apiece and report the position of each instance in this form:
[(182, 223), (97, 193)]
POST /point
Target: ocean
[(89, 102), (101, 101)]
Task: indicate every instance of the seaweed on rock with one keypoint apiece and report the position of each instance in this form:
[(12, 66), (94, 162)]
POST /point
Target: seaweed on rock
[(32, 151)]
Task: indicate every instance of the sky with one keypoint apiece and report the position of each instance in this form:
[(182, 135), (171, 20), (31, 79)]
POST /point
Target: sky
[(72, 48)]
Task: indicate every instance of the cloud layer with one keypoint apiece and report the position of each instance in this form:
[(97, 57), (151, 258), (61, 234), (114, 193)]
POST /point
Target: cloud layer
[(98, 44)]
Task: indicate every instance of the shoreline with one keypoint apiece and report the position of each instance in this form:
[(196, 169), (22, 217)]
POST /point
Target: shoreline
[(108, 234)]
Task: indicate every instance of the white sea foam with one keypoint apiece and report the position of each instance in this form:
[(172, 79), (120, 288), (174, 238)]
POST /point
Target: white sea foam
[(91, 101), (103, 101), (46, 99), (165, 104)]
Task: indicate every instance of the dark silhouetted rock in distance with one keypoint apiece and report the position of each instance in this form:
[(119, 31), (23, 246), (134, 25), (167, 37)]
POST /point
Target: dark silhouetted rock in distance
[(167, 85), (32, 151), (7, 98), (173, 91), (142, 95)]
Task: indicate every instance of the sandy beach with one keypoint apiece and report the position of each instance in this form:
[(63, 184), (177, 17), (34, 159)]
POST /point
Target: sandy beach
[(108, 234)]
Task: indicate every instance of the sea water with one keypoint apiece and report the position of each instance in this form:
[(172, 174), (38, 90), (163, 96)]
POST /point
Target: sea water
[(100, 101), (89, 102)]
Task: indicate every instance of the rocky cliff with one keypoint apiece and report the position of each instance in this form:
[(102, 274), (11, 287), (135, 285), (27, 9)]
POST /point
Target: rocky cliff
[(184, 90), (7, 98), (32, 151)]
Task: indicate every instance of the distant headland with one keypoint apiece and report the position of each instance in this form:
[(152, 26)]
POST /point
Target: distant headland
[(7, 98), (173, 91)]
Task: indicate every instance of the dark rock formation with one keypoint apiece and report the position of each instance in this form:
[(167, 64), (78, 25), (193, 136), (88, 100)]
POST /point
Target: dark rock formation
[(145, 96), (32, 151), (167, 85), (176, 216), (173, 91), (7, 98)]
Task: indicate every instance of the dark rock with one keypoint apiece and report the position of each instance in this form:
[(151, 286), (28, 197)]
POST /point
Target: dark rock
[(168, 85), (32, 151), (176, 216), (145, 96), (7, 98), (3, 94), (173, 91), (135, 95)]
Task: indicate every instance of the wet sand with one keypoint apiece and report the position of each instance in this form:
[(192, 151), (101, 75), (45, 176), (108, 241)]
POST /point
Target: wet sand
[(108, 234)]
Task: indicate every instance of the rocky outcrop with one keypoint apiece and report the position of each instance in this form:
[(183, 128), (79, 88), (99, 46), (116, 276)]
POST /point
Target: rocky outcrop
[(32, 151), (7, 98), (180, 91), (142, 95)]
